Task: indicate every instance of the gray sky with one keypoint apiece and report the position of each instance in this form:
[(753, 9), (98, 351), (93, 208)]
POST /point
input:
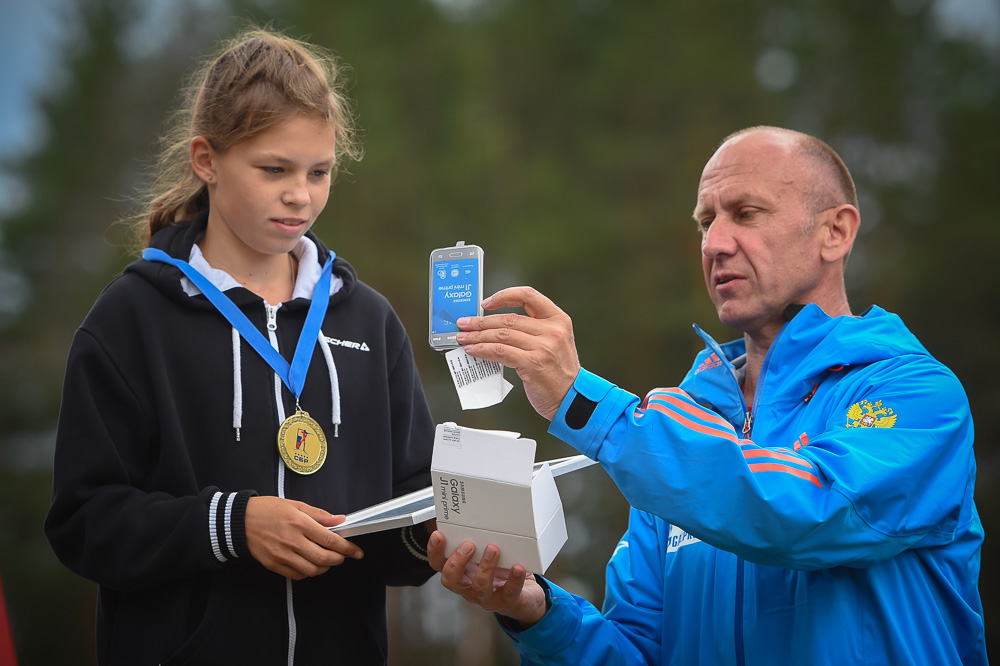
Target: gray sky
[(31, 38)]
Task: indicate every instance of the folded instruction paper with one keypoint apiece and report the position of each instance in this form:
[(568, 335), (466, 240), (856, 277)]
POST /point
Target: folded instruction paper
[(479, 383), (412, 509)]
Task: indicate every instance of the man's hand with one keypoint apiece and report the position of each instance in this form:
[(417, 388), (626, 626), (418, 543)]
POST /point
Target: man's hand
[(291, 538), (539, 345), (509, 592)]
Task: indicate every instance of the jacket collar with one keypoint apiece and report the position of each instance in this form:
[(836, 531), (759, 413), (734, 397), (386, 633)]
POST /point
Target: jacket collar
[(809, 344), (179, 241)]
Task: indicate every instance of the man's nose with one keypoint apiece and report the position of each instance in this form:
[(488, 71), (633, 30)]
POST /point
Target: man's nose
[(718, 239)]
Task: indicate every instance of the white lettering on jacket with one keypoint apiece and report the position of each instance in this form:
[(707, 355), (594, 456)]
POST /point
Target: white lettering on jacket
[(360, 346), (678, 538)]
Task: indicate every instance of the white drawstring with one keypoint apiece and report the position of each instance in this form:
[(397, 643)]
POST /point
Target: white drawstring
[(324, 344), (238, 385)]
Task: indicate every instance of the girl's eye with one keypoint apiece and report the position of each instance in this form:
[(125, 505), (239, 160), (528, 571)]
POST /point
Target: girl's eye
[(320, 173), (272, 169)]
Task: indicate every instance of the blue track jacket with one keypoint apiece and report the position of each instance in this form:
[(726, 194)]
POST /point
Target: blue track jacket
[(831, 522)]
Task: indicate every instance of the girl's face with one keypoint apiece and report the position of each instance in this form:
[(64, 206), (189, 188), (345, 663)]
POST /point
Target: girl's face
[(267, 191)]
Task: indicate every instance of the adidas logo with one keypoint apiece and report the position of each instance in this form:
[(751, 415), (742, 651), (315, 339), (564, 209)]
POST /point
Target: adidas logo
[(709, 363), (360, 346), (803, 440)]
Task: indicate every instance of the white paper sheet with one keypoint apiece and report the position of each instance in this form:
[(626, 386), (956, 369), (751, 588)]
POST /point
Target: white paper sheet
[(479, 383)]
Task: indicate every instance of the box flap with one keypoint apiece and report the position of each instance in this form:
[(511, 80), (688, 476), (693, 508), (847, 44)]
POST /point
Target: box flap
[(544, 497), (486, 454)]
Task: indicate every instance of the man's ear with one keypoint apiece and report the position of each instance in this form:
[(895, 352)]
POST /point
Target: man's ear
[(840, 228), (203, 159)]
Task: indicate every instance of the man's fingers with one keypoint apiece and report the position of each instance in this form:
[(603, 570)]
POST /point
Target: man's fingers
[(501, 324), (435, 551), (453, 571), (510, 331), (534, 302), (515, 583), (483, 581), (509, 353)]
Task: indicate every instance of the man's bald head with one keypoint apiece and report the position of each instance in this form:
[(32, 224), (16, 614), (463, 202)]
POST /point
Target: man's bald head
[(830, 183)]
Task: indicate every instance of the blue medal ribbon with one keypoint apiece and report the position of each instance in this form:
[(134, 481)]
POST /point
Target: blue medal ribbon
[(294, 375)]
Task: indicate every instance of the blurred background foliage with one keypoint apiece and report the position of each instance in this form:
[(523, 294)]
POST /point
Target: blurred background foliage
[(565, 137)]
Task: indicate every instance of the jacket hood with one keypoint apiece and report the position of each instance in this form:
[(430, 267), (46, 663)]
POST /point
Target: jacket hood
[(177, 241), (813, 341), (810, 344)]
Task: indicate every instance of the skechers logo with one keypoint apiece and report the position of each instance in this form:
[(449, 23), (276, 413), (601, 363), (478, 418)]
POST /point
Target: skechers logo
[(360, 346), (678, 538)]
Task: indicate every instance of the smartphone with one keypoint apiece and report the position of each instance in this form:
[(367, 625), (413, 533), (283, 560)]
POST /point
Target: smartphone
[(456, 290)]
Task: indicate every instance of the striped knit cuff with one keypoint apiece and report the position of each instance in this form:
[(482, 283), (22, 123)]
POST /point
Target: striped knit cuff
[(227, 524), (238, 522)]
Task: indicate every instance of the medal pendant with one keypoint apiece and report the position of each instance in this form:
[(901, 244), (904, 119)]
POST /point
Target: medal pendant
[(301, 443)]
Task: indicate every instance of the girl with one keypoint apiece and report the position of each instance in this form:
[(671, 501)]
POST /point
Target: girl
[(204, 436)]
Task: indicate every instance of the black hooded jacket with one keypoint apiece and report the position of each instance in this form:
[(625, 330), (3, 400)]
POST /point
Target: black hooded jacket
[(169, 424)]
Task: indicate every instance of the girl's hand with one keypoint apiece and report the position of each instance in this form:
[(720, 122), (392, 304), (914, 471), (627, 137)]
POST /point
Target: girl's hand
[(291, 537)]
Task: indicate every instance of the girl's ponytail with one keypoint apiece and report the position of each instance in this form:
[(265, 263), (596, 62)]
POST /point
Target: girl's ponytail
[(259, 79)]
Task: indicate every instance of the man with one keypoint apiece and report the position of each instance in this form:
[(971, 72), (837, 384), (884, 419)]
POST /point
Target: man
[(804, 497)]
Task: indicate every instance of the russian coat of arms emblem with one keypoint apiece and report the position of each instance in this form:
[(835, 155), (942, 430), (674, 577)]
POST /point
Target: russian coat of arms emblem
[(866, 414)]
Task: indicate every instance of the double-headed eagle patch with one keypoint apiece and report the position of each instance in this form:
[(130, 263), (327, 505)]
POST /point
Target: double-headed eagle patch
[(864, 414)]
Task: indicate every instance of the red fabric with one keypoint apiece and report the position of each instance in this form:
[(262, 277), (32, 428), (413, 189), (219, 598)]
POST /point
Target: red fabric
[(7, 655)]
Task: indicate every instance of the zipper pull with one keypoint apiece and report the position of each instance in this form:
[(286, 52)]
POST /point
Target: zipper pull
[(748, 423), (272, 316)]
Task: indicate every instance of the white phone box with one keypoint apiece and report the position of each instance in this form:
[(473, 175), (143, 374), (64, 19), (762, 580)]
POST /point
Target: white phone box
[(502, 497), (486, 490)]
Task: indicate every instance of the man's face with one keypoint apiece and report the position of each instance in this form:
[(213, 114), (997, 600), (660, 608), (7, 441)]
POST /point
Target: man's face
[(758, 253)]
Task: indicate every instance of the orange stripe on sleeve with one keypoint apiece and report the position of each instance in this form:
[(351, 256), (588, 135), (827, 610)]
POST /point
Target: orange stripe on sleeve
[(652, 394), (676, 397), (729, 434), (764, 453), (775, 467)]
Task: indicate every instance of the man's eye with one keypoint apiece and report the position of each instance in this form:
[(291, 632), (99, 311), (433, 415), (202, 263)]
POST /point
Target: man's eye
[(704, 224), (746, 213)]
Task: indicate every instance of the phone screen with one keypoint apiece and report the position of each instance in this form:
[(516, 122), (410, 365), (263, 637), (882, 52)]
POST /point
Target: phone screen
[(456, 276)]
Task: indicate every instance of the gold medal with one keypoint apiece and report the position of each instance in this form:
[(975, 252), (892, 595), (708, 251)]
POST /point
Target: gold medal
[(301, 443)]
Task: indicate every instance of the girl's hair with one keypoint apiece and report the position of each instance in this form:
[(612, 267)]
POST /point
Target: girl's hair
[(259, 79)]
